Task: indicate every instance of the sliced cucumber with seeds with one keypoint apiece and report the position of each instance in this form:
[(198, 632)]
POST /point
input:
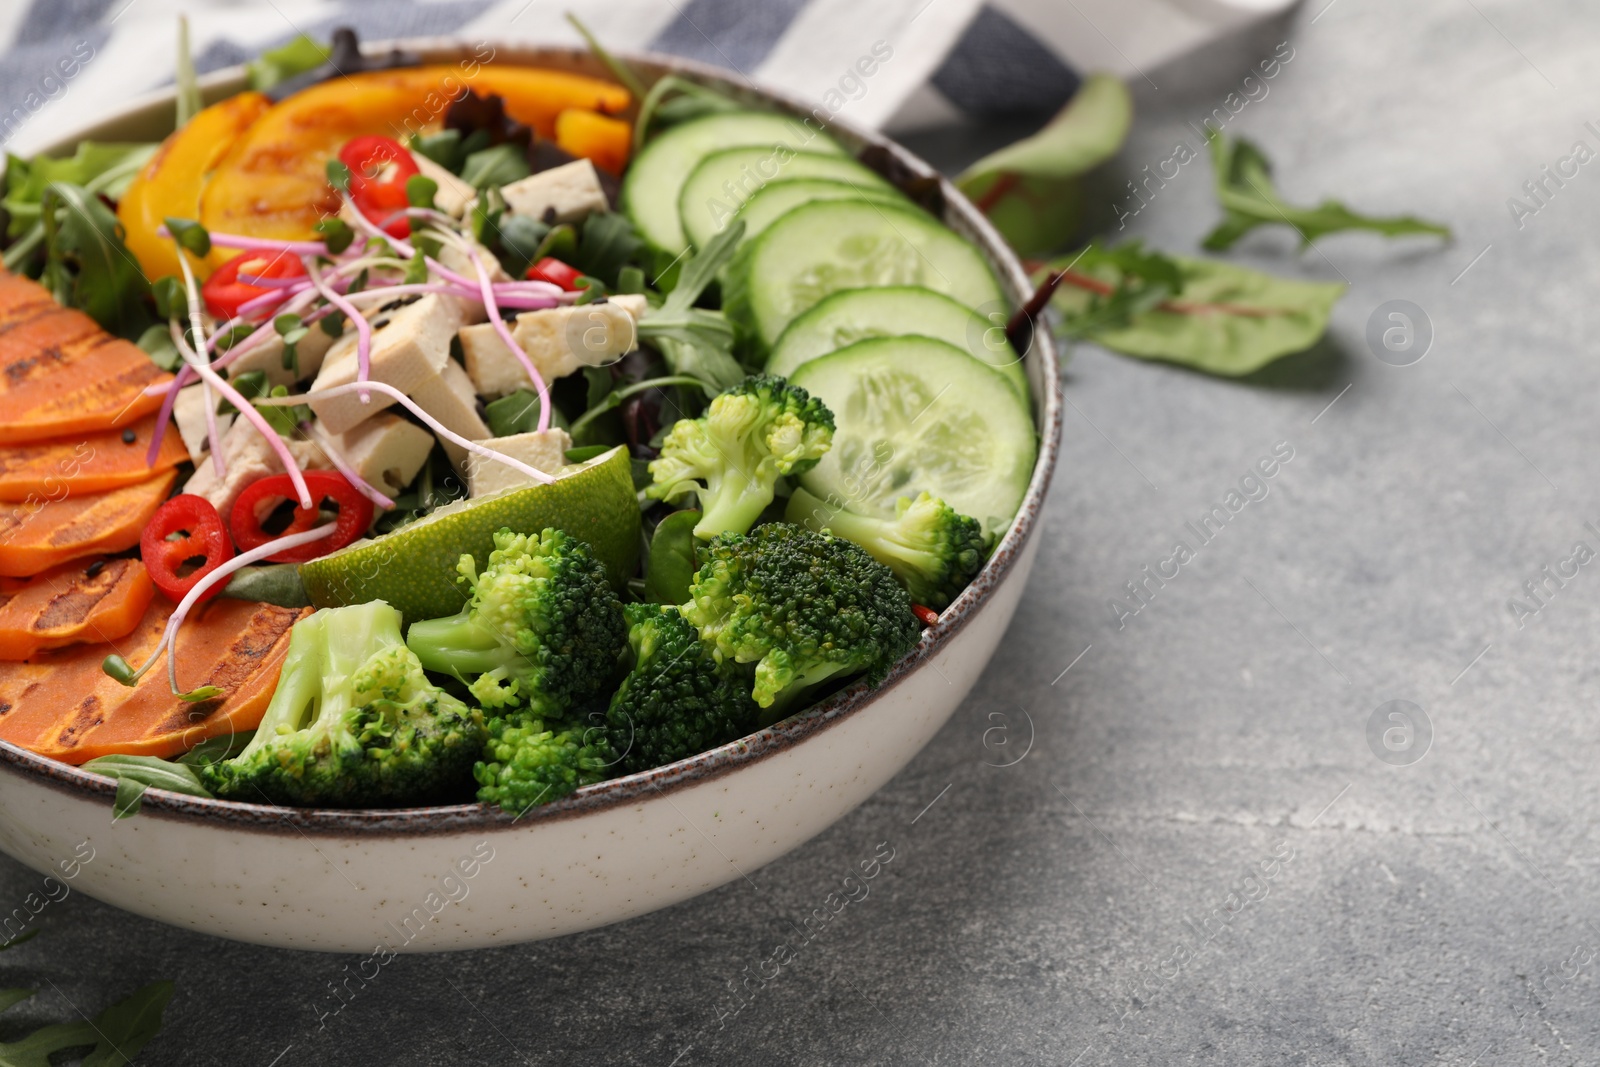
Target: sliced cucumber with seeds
[(650, 190), (914, 414), (779, 198), (725, 180), (856, 314), (819, 249)]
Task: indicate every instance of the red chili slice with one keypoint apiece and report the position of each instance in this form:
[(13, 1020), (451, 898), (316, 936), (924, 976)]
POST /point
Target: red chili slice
[(182, 530), (260, 498), (379, 169), (926, 616), (555, 272), (224, 293)]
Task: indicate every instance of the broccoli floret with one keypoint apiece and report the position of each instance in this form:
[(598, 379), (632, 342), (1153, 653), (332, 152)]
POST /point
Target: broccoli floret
[(525, 764), (732, 456), (678, 699), (933, 549), (541, 632), (803, 607), (354, 723)]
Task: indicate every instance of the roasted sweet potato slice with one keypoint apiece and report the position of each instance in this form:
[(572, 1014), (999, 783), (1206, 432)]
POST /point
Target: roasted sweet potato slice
[(62, 705), (43, 533), (64, 467), (60, 373), (84, 602)]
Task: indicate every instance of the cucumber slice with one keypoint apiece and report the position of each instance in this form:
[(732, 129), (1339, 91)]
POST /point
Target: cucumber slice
[(725, 180), (650, 189), (819, 249), (779, 198), (856, 314), (914, 414)]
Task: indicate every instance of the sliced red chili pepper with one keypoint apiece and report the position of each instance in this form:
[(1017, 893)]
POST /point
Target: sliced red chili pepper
[(926, 616), (556, 273), (224, 293), (379, 169), (183, 530), (260, 498)]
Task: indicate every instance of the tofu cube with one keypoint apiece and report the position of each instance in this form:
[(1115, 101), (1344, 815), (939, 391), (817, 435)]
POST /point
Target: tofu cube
[(453, 195), (545, 451), (249, 457), (189, 411), (408, 352), (386, 451), (268, 357), (453, 258), (561, 194), (448, 397), (558, 341)]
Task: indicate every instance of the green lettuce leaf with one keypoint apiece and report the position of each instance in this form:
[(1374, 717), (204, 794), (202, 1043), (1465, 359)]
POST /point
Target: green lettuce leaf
[(1249, 199), (1029, 189), (1219, 318), (100, 166), (280, 64)]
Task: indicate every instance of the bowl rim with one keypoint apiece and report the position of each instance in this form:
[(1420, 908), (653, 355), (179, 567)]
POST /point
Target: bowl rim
[(367, 823)]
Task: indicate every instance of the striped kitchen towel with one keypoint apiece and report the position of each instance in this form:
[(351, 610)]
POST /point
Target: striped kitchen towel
[(947, 61)]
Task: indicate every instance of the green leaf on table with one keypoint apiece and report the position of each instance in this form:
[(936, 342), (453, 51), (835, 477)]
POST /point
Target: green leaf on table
[(13, 943), (497, 166), (284, 62), (1250, 199), (86, 264), (1220, 318), (1029, 189), (128, 1025)]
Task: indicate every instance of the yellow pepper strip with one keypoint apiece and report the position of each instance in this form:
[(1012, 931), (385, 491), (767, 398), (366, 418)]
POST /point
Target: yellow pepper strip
[(274, 183), (169, 185)]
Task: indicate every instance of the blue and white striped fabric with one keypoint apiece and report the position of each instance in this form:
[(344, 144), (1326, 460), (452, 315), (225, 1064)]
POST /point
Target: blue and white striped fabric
[(68, 60)]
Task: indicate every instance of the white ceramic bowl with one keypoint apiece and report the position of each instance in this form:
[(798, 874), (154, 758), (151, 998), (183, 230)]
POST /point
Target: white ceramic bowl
[(467, 876)]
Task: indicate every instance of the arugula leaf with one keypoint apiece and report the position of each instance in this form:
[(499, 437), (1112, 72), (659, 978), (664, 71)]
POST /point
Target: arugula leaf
[(518, 242), (497, 166), (86, 264), (671, 564), (128, 1025), (513, 414), (444, 148), (1249, 199), (1029, 189), (101, 166), (226, 746), (279, 64), (694, 341), (660, 106), (188, 94), (608, 243), (135, 774), (1205, 314), (619, 70)]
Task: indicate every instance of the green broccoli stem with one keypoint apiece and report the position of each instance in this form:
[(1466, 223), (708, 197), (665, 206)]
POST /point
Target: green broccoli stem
[(731, 503), (458, 645), (798, 693)]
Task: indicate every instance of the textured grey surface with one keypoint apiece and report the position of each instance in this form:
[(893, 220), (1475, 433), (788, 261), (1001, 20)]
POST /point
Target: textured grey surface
[(1047, 912)]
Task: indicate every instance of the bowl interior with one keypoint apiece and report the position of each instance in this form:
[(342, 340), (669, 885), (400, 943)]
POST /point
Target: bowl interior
[(151, 118)]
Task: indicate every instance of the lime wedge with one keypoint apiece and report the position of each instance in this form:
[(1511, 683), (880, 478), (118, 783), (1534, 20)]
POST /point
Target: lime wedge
[(414, 568)]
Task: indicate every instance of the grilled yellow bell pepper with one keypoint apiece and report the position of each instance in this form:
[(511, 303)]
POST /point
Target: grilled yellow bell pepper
[(274, 183), (169, 185)]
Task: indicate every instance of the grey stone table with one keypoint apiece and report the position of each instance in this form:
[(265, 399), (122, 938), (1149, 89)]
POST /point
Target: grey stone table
[(1202, 858)]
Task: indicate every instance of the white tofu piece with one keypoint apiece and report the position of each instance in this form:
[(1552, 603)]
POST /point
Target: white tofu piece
[(408, 352), (455, 259), (453, 195), (545, 451), (570, 191), (189, 411), (386, 450), (558, 340), (249, 458), (268, 356), (448, 397)]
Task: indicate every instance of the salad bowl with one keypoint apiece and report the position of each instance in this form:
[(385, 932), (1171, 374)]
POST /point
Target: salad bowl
[(470, 876)]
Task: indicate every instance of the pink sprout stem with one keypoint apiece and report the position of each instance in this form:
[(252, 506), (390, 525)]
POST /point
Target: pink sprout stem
[(493, 309), (340, 464), (363, 328)]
